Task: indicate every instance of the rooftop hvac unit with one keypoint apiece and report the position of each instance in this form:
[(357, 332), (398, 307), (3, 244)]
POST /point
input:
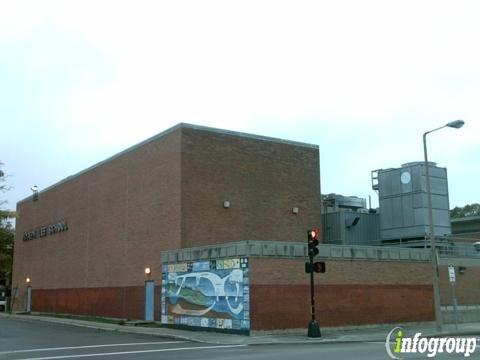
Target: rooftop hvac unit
[(403, 201)]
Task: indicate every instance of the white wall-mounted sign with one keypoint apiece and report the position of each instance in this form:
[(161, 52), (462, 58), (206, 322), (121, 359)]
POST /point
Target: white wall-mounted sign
[(451, 273)]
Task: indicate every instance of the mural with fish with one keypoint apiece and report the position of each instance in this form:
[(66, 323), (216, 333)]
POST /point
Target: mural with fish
[(207, 294)]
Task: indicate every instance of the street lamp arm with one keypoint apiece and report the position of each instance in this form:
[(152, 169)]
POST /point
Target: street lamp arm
[(428, 132), (457, 124)]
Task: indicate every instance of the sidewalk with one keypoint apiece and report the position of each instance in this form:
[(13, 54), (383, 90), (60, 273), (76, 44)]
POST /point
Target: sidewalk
[(367, 333)]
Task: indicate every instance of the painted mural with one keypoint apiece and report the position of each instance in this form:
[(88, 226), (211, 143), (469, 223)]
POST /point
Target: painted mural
[(208, 294)]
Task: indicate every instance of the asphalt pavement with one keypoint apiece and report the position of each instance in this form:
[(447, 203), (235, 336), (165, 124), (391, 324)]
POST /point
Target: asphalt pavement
[(44, 337), (339, 334)]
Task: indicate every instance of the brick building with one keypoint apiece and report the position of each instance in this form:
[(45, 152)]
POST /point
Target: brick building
[(166, 193), (220, 218)]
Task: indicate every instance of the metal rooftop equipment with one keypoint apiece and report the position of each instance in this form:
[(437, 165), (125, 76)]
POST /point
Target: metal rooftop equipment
[(335, 202), (403, 201), (347, 221)]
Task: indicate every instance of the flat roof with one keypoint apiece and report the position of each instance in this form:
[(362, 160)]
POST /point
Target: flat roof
[(475, 218), (165, 133)]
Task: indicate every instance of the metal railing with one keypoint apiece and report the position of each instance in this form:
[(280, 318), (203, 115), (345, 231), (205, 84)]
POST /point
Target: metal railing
[(464, 250), (295, 250)]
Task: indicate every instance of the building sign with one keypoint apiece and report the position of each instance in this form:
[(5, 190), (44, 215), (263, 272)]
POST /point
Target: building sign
[(207, 294), (46, 230)]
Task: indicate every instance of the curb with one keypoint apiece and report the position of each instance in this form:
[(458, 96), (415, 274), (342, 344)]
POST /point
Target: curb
[(224, 339), (244, 340)]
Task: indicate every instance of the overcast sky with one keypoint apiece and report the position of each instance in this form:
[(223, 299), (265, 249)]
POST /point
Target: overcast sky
[(83, 80)]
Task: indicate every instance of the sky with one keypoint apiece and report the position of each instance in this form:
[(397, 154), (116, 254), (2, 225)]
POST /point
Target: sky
[(83, 80)]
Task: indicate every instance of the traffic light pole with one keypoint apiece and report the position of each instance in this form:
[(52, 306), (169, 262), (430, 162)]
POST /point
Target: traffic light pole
[(313, 327)]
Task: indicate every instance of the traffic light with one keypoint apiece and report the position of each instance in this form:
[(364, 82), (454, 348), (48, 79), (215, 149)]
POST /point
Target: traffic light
[(318, 267), (311, 267), (313, 236)]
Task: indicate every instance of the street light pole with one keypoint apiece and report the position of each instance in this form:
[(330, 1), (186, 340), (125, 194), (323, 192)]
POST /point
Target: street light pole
[(457, 124), (436, 282)]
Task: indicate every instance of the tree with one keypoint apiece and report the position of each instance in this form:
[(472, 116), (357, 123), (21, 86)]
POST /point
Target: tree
[(465, 211), (4, 214), (7, 236)]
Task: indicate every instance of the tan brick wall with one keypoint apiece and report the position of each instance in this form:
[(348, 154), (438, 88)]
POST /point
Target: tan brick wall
[(263, 181)]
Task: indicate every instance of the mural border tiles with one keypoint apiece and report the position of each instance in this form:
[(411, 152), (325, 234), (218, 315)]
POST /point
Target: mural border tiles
[(208, 295)]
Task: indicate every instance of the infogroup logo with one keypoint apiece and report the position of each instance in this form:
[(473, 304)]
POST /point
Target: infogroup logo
[(397, 344)]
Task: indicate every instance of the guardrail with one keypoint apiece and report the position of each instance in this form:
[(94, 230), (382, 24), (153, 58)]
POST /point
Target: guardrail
[(463, 250)]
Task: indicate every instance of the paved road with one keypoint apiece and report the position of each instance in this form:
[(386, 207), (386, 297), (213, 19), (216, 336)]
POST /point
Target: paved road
[(22, 339)]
